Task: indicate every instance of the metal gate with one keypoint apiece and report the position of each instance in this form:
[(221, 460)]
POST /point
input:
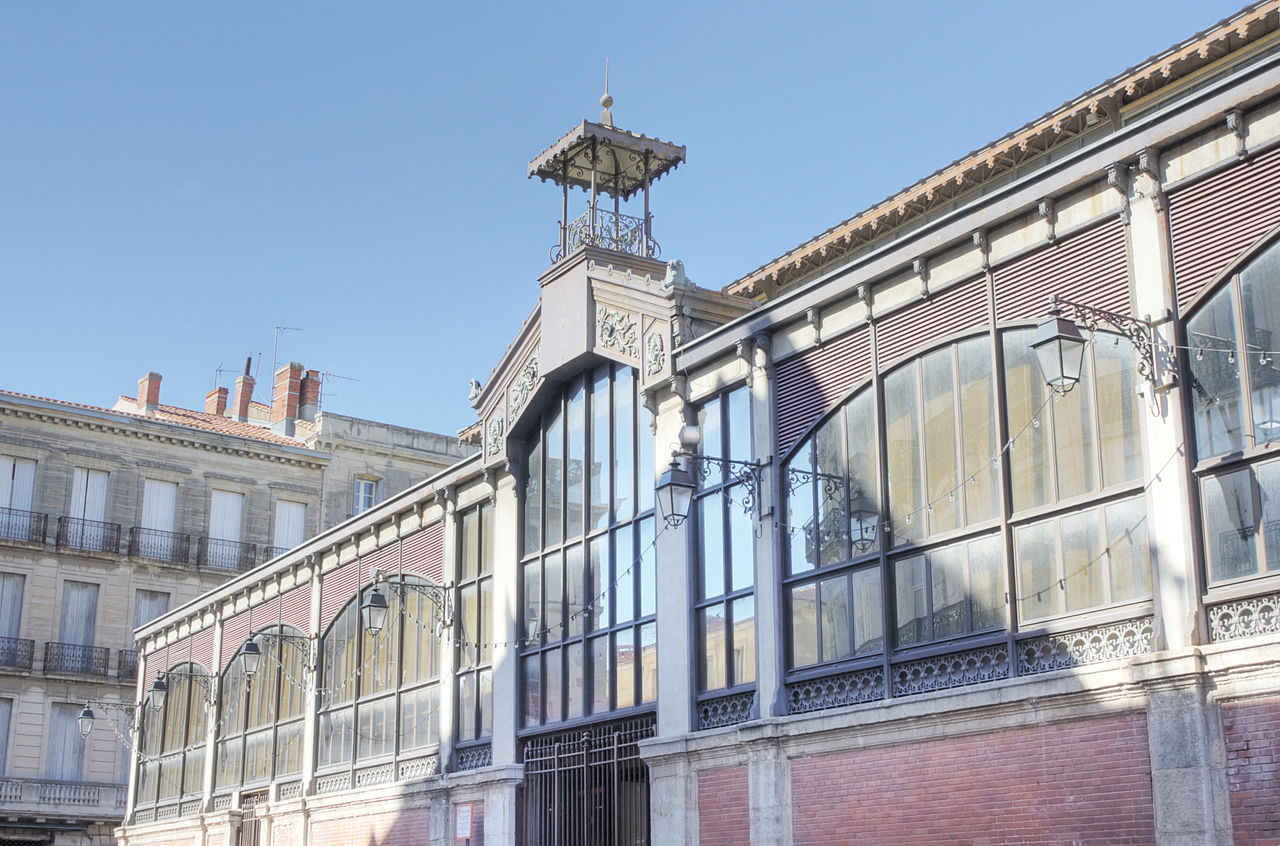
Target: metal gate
[(587, 787), (250, 833)]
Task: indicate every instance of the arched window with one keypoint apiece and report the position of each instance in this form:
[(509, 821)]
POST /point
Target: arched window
[(1233, 337), (172, 738), (260, 727), (380, 693), (925, 438), (589, 576)]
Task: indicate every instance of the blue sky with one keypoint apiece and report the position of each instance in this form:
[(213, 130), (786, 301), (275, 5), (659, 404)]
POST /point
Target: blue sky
[(176, 179)]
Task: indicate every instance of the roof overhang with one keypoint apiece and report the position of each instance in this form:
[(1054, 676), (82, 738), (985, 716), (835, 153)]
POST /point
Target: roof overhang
[(622, 161)]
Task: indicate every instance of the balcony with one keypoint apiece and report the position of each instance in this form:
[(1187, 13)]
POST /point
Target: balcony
[(269, 552), (88, 535), (127, 665), (227, 555), (621, 233), (62, 799), (76, 659), (16, 653), (157, 545), (23, 526)]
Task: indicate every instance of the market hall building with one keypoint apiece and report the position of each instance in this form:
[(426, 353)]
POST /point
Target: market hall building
[(929, 565)]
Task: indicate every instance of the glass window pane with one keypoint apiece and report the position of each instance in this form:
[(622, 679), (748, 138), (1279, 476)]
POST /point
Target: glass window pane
[(1127, 550), (336, 736), (913, 600), (950, 593), (1025, 392), (471, 635), (804, 625), (711, 545), (576, 679), (801, 528), (1074, 438), (868, 616), (986, 583), (553, 590), (940, 440), (533, 497), (553, 693), (626, 573), (1215, 376), (471, 544), (833, 539), (1232, 509), (744, 640), (600, 681), (484, 702), (713, 636), (648, 662), (713, 438), (575, 589), (467, 706), (601, 462), (484, 631), (419, 717), (860, 417), (646, 473), (377, 727), (1037, 552), (742, 541), (553, 484), (835, 619), (648, 566), (533, 601), (902, 437), (1084, 570), (1260, 304), (532, 665), (575, 468), (598, 583), (978, 427), (739, 446), (1119, 411), (624, 461), (624, 656), (1269, 492)]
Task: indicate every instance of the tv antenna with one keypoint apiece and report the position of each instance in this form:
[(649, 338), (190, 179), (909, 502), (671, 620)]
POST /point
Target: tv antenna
[(275, 347)]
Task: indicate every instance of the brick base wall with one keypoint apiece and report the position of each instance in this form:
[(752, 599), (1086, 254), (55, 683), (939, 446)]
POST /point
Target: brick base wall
[(1081, 782), (1251, 729), (405, 828), (724, 817)]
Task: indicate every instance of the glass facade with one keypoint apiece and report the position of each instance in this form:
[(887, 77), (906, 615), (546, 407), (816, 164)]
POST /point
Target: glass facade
[(474, 606), (171, 739)]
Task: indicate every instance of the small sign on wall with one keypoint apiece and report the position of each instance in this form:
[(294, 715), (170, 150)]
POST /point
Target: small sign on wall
[(462, 830)]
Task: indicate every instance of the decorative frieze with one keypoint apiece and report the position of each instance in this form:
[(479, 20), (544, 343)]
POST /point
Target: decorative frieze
[(617, 330), (726, 710), (835, 691), (1089, 646), (956, 669), (1257, 615)]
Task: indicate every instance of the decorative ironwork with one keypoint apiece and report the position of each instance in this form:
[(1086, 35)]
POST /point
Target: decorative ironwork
[(1141, 333), (23, 526), (88, 535), (617, 330), (333, 783), (270, 552), (1088, 646), (156, 545), (655, 356), (726, 710), (956, 669), (166, 812), (127, 664), (370, 776), (290, 790), (149, 815), (16, 653), (497, 428), (76, 659), (851, 688), (227, 554), (473, 757), (1256, 615), (221, 802), (524, 384), (602, 228), (190, 808), (587, 785), (745, 473), (420, 768)]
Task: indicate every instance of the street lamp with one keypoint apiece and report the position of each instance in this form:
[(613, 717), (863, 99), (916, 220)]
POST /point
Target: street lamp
[(85, 721), (1060, 350), (250, 657), (373, 611), (675, 494), (156, 695)]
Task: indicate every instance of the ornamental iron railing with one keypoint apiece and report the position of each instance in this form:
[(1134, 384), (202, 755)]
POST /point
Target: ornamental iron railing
[(720, 711), (158, 545), (608, 230), (472, 756), (1257, 615), (127, 664), (227, 554), (23, 526), (88, 535), (16, 653), (76, 659)]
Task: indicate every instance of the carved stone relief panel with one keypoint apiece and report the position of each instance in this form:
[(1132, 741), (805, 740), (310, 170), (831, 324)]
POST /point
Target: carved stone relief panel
[(617, 330)]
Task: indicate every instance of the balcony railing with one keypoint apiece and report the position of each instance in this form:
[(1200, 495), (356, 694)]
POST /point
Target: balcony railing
[(158, 545), (63, 799), (89, 535), (618, 232), (76, 659), (127, 664), (16, 653), (269, 552), (227, 555), (24, 526)]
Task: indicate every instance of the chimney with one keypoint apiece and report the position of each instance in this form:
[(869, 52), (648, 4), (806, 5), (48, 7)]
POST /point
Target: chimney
[(215, 402), (309, 396), (149, 393), (244, 392), (284, 400)]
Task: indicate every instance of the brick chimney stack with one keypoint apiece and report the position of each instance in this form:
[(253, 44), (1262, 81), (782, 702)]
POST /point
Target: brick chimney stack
[(284, 400), (309, 396), (215, 402), (149, 393)]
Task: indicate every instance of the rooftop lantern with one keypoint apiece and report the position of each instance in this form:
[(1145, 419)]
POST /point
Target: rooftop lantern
[(606, 161)]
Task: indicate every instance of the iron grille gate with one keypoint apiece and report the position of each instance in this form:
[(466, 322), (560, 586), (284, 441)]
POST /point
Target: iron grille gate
[(587, 787)]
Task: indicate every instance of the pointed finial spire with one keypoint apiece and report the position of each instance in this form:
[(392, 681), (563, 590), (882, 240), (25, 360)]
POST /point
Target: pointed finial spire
[(606, 116)]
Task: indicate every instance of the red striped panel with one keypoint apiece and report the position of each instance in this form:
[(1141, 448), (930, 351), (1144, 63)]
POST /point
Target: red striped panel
[(808, 385), (1215, 219), (386, 559), (337, 586), (424, 553), (235, 630), (202, 649), (295, 607), (1088, 267), (922, 324)]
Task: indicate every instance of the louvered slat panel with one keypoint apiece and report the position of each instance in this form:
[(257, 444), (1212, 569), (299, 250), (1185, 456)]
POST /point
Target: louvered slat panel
[(202, 649), (1089, 267), (1214, 220), (337, 586), (295, 607), (424, 553), (809, 384), (234, 631), (920, 325)]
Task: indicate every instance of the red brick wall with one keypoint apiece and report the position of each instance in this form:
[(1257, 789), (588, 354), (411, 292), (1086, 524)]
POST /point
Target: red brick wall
[(1081, 782), (724, 817), (1252, 733), (404, 828)]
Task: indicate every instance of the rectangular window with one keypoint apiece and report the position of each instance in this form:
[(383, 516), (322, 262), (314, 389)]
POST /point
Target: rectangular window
[(17, 488), (65, 758), (10, 604), (226, 510), (366, 495), (159, 514), (6, 715), (85, 530), (79, 613), (148, 605), (291, 520), (475, 620)]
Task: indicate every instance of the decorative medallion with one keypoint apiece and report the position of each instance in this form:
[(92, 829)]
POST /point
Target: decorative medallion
[(654, 357), (617, 330), (524, 384), (496, 428)]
